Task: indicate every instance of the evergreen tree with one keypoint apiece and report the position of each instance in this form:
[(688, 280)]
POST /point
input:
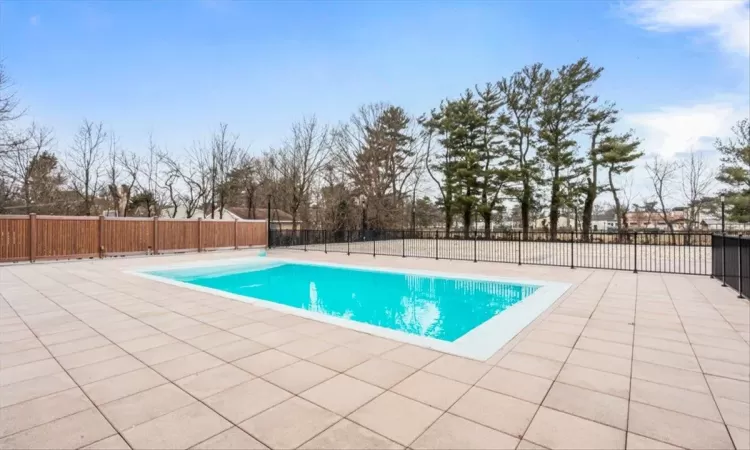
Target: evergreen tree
[(521, 94), (491, 148), (600, 123), (735, 170), (565, 105), (618, 154)]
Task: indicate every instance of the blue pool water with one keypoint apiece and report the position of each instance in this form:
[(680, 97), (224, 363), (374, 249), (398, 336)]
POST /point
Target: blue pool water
[(440, 308)]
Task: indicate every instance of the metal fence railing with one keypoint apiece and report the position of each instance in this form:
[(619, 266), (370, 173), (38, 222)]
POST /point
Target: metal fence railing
[(684, 253), (731, 262)]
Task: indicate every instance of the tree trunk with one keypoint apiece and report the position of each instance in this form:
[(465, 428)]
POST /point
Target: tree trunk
[(525, 209), (588, 206), (618, 211), (467, 221), (487, 216), (554, 206)]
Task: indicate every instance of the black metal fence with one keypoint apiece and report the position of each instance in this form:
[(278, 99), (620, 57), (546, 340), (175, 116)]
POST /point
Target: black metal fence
[(731, 262), (684, 253)]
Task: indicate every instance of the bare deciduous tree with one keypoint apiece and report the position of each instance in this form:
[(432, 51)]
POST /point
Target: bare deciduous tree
[(84, 163), (299, 160), (662, 173), (226, 155), (19, 165), (697, 182)]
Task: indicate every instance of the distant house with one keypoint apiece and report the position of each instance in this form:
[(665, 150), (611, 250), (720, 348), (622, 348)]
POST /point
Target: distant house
[(655, 221), (603, 222), (225, 214), (280, 220)]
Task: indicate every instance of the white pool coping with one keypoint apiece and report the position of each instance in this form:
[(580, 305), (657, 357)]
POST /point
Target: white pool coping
[(480, 343)]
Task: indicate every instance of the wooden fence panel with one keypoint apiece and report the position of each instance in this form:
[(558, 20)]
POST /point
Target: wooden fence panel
[(28, 238), (251, 234), (14, 238), (176, 235), (218, 234), (124, 236), (66, 237)]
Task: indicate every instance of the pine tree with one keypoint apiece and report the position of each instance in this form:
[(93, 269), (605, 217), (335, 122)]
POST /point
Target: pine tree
[(735, 170), (521, 94), (565, 105), (600, 123), (618, 154)]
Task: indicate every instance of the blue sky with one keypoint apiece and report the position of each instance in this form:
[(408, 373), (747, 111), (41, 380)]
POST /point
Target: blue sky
[(677, 69)]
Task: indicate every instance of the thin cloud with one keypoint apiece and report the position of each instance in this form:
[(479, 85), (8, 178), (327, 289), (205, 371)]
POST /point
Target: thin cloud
[(34, 20), (726, 21), (676, 129)]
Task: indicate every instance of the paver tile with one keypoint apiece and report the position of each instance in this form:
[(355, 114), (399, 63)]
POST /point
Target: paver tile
[(596, 380), (299, 376), (638, 442), (212, 381), (115, 442), (434, 390), (183, 366), (305, 347), (34, 388), (340, 359), (236, 350), (676, 428), (451, 432), (459, 369), (675, 399), (395, 417), (516, 384), (120, 386), (289, 424), (105, 369), (32, 413), (346, 435), (145, 405), (592, 405), (265, 362), (670, 376), (232, 439), (411, 355), (501, 412), (247, 399), (555, 429), (532, 365), (179, 429), (342, 394), (381, 372), (70, 432), (9, 360), (729, 388), (29, 371)]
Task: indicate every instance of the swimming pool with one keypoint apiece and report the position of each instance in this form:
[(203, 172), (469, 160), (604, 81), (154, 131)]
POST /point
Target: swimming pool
[(459, 314)]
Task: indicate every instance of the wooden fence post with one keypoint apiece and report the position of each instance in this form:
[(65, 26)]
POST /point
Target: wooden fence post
[(156, 235), (235, 234), (200, 234), (32, 237), (101, 236)]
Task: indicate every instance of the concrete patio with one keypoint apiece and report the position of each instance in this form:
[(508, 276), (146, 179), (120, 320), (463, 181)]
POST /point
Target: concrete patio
[(93, 357)]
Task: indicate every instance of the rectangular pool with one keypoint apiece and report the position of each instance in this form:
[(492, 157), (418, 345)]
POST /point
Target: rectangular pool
[(459, 314)]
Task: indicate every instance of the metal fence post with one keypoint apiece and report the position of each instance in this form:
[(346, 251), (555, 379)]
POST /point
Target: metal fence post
[(635, 252), (348, 240), (723, 260), (304, 239), (325, 241), (572, 251), (519, 248), (403, 243), (373, 244), (437, 235), (475, 245), (739, 269)]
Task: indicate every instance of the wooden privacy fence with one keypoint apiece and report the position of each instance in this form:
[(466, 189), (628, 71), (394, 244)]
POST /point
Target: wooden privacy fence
[(32, 237)]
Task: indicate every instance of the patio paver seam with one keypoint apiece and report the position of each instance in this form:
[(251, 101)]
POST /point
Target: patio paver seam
[(700, 366), (78, 386)]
